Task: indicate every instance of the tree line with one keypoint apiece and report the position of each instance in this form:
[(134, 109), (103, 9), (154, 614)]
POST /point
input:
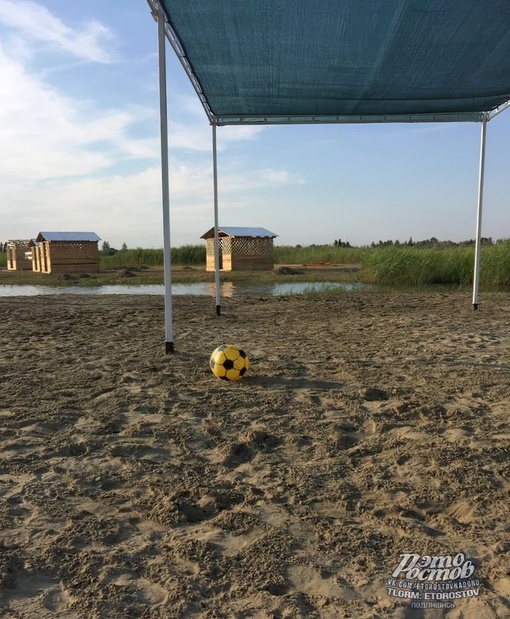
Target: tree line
[(434, 242), (426, 243), (108, 250)]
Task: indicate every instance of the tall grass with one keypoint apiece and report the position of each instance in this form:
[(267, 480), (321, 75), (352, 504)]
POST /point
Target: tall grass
[(3, 259), (187, 254), (408, 266), (495, 265), (401, 265), (318, 253)]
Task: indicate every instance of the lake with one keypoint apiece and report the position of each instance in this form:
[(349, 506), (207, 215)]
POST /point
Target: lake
[(228, 289)]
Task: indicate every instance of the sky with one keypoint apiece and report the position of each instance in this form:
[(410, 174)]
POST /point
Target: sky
[(80, 149)]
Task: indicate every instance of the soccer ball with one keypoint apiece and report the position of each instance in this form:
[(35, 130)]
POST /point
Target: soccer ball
[(229, 362)]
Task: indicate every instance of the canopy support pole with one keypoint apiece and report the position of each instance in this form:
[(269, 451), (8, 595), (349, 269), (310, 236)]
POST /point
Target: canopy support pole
[(476, 278), (216, 232), (169, 338)]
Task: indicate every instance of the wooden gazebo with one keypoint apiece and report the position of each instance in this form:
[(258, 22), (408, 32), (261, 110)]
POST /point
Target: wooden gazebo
[(19, 255), (65, 252), (241, 249)]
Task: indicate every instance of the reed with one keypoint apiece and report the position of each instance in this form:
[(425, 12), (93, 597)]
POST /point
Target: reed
[(391, 265), (318, 254), (495, 265), (185, 255), (408, 266)]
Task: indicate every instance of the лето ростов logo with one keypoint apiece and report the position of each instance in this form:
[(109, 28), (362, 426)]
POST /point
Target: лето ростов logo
[(433, 581)]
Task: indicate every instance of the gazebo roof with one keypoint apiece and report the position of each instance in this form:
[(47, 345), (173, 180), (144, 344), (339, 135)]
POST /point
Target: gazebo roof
[(18, 242), (240, 232), (67, 236)]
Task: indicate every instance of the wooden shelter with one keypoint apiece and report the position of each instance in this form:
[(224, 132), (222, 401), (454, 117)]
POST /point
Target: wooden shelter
[(241, 249), (19, 255), (65, 252)]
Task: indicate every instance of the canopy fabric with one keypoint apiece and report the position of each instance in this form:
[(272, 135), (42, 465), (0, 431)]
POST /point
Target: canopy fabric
[(299, 61)]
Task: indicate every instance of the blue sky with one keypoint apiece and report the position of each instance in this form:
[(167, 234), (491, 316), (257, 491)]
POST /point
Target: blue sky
[(79, 115)]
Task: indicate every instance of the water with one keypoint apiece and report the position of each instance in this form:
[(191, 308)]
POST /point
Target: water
[(228, 289)]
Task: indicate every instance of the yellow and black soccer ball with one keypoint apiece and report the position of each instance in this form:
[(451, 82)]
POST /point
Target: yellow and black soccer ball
[(229, 362)]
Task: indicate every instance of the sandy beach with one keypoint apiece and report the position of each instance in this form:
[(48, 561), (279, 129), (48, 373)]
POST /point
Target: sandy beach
[(370, 426)]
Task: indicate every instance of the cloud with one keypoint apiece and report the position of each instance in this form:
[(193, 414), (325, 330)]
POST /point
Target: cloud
[(193, 131), (237, 133), (48, 135), (35, 22), (198, 136), (128, 207), (68, 163), (282, 177)]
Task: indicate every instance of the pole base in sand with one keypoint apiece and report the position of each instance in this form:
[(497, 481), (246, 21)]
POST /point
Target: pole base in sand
[(169, 348), (218, 310), (475, 307)]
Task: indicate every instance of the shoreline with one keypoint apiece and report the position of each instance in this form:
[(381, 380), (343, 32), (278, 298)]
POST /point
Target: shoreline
[(181, 274)]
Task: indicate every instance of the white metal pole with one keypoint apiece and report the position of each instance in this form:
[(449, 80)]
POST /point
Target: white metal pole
[(498, 110), (476, 278), (216, 232), (169, 338)]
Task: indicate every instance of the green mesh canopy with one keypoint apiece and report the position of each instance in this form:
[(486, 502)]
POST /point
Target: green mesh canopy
[(292, 61)]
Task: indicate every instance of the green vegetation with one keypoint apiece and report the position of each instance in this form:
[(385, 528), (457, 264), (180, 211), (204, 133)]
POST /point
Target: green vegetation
[(410, 266), (318, 254), (495, 265), (185, 255), (422, 263), (3, 259), (419, 267), (386, 263)]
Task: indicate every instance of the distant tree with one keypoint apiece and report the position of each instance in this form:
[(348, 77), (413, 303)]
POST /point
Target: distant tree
[(124, 247), (428, 243), (107, 249)]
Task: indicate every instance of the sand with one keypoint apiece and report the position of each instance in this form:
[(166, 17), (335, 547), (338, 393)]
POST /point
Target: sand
[(135, 484)]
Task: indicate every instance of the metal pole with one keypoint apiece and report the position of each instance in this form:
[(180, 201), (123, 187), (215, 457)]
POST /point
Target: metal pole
[(498, 110), (169, 338), (216, 233), (476, 278)]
